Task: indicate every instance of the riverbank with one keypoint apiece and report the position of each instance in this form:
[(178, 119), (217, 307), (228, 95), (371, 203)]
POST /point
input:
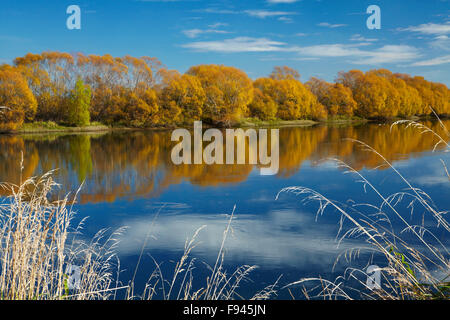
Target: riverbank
[(49, 126), (251, 123), (52, 127)]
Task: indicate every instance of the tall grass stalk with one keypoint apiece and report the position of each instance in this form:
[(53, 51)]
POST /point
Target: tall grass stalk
[(219, 284), (37, 245)]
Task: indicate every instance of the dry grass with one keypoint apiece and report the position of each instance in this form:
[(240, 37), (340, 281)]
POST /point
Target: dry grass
[(415, 257), (219, 284), (37, 245)]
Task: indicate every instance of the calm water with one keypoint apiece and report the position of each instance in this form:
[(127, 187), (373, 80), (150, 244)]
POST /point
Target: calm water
[(129, 177)]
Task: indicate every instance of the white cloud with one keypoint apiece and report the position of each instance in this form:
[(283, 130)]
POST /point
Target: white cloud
[(262, 14), (390, 54), (441, 42), (285, 19), (275, 240), (193, 33), (376, 56), (330, 50), (358, 37), (256, 13), (282, 1), (217, 11), (218, 25), (329, 25), (239, 44), (432, 62), (385, 54), (212, 28), (429, 28)]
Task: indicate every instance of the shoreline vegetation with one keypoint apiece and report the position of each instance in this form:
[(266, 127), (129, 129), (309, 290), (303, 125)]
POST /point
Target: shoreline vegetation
[(49, 127), (55, 91), (52, 127)]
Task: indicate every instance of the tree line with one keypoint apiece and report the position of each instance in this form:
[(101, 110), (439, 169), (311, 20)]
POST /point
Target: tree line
[(75, 89)]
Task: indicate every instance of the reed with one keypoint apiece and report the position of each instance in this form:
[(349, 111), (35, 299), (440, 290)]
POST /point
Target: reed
[(415, 256), (219, 284), (38, 247)]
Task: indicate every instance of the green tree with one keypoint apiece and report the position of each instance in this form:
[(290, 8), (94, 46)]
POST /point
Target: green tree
[(79, 104)]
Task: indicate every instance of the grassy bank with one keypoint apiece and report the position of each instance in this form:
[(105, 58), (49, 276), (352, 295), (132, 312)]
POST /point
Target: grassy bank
[(49, 126), (53, 127), (253, 122)]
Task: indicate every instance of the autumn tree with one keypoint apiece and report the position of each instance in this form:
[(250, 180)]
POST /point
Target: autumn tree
[(435, 96), (284, 73), (376, 98), (441, 96), (340, 101), (285, 98), (375, 95), (142, 92), (351, 79), (50, 76), (228, 92), (295, 101), (318, 87), (17, 101), (337, 98), (182, 100), (104, 75), (263, 105), (410, 99), (124, 90), (140, 108)]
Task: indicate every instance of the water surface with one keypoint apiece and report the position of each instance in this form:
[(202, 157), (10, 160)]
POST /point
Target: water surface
[(129, 177)]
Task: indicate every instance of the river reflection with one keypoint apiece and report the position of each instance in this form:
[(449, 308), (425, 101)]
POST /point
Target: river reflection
[(138, 164), (131, 181)]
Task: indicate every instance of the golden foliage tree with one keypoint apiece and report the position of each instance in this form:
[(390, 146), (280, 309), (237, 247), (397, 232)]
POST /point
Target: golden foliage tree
[(50, 76), (263, 105), (337, 98), (182, 100), (17, 101), (142, 92), (295, 101), (228, 92), (284, 73)]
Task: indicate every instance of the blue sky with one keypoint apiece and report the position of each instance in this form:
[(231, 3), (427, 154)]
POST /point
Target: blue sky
[(317, 37)]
